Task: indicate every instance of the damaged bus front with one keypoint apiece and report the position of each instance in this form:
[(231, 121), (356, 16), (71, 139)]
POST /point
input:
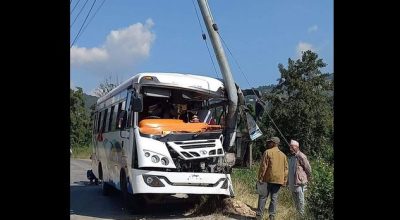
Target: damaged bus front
[(179, 136), (162, 133)]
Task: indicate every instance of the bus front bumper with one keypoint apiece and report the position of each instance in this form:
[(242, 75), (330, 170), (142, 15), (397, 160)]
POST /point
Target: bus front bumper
[(145, 181)]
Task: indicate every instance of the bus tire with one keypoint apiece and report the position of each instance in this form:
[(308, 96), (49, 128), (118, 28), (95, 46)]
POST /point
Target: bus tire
[(106, 188), (130, 202), (124, 191), (100, 172)]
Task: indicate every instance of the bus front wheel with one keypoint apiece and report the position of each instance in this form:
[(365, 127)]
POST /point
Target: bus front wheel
[(124, 191), (106, 188), (129, 202)]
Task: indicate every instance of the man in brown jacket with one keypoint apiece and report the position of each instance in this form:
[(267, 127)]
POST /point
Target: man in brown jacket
[(299, 175), (273, 171)]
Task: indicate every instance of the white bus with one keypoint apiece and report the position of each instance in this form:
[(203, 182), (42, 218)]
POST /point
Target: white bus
[(161, 134)]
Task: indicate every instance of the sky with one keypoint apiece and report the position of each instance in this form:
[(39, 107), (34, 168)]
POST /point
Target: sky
[(126, 37)]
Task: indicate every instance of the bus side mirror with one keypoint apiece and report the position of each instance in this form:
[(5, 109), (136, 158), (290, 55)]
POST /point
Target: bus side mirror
[(121, 119), (137, 103)]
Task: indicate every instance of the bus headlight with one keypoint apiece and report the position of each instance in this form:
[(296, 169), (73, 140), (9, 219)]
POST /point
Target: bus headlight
[(155, 159), (153, 181), (147, 154), (149, 180), (164, 161)]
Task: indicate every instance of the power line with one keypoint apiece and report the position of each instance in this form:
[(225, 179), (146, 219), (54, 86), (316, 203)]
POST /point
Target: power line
[(212, 61), (83, 23), (79, 13), (205, 40), (74, 6), (209, 12), (198, 19), (237, 63), (84, 28)]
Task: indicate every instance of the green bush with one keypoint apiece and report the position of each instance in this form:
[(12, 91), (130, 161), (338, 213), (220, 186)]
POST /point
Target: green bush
[(247, 176), (258, 149), (320, 194)]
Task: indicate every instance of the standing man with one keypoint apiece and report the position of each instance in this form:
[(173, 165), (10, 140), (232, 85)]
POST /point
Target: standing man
[(299, 174), (273, 171)]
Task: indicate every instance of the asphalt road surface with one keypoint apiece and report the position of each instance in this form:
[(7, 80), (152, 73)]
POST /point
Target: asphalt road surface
[(87, 201)]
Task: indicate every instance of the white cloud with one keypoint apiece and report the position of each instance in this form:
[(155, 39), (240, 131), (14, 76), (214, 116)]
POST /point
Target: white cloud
[(122, 50), (303, 46), (81, 56), (312, 28)]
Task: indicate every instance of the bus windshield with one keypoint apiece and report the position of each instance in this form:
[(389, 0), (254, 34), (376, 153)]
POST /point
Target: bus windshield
[(179, 110)]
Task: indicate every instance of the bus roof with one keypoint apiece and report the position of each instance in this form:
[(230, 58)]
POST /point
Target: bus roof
[(179, 80)]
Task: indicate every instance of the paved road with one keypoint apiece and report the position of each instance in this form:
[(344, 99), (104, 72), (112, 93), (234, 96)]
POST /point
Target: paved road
[(87, 201)]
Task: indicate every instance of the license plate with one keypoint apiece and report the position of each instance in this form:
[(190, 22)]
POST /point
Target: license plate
[(194, 178)]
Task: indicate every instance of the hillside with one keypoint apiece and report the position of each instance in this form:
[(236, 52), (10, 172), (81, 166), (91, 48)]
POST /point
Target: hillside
[(264, 90), (89, 101), (268, 88)]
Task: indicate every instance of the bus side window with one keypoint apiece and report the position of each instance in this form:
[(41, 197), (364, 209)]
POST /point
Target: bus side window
[(114, 118), (103, 124), (131, 116), (129, 110), (121, 106), (100, 120), (106, 128), (96, 115), (110, 118)]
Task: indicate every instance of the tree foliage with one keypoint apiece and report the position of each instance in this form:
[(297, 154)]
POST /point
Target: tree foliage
[(80, 134), (81, 122), (302, 107)]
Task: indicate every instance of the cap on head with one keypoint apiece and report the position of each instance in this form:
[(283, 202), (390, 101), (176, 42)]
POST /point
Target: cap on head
[(276, 140), (294, 143)]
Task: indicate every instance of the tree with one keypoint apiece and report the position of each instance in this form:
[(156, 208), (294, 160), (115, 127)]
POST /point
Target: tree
[(105, 87), (301, 106), (80, 126)]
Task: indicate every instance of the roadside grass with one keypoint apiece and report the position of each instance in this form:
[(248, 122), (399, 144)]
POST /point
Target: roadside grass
[(81, 152), (244, 185)]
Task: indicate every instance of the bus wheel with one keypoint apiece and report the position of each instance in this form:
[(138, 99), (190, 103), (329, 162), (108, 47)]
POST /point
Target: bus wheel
[(106, 188), (124, 191), (100, 172), (129, 202)]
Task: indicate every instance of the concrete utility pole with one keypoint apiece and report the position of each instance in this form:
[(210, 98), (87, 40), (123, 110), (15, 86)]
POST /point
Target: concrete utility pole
[(230, 87)]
